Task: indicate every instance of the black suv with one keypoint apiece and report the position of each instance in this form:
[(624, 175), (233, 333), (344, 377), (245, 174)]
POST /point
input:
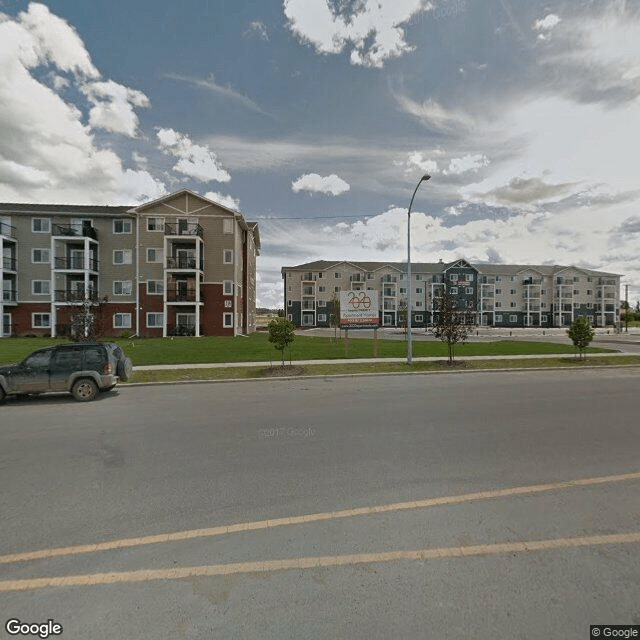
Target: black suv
[(82, 368)]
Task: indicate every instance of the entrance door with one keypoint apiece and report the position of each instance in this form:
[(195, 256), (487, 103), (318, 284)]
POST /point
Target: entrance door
[(181, 290), (186, 258)]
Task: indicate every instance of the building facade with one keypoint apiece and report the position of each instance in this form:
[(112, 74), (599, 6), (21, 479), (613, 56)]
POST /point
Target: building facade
[(179, 265), (495, 295)]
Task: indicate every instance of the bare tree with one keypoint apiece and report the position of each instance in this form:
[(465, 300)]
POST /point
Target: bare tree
[(450, 324), (87, 322), (335, 315)]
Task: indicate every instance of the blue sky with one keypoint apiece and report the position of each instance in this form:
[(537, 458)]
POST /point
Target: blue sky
[(318, 117)]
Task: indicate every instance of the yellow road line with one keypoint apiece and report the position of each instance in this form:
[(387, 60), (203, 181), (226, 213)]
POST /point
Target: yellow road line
[(178, 573), (313, 517)]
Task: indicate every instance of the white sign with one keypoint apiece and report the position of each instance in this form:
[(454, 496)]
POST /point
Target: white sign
[(359, 308)]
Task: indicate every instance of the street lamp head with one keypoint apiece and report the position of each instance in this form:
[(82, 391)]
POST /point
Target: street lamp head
[(425, 177)]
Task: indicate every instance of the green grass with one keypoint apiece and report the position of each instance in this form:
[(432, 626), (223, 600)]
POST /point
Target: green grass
[(182, 375), (257, 348)]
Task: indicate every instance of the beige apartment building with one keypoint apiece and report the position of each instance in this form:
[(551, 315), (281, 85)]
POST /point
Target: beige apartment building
[(179, 265), (497, 295)]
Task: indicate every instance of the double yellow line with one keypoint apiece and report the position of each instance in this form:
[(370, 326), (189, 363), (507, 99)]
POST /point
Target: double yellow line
[(310, 562)]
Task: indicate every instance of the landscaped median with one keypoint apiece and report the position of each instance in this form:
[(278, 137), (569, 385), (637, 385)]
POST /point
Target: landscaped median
[(354, 368)]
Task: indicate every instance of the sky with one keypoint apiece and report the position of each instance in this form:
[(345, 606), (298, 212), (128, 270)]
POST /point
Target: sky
[(317, 118)]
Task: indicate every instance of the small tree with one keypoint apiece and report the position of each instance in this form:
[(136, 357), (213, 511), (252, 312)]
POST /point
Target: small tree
[(449, 324), (281, 334), (402, 314), (335, 315), (581, 333)]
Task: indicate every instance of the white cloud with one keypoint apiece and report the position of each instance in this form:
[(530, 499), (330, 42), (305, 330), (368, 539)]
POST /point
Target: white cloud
[(224, 200), (194, 160), (545, 25), (258, 28), (113, 106), (47, 152), (466, 163), (434, 116), (417, 159), (373, 28), (315, 183)]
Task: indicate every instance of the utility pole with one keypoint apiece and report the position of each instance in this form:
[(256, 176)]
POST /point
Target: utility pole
[(626, 311)]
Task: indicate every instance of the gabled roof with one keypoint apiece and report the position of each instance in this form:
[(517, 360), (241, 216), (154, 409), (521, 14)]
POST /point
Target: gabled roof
[(172, 196)]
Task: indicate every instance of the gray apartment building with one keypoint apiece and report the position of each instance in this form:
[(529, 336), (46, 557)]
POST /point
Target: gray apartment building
[(179, 265), (497, 295)]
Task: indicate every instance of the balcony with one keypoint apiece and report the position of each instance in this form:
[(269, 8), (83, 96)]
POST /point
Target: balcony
[(75, 296), (308, 291), (69, 230), (183, 229), (385, 279), (182, 262), (606, 282), (532, 281), (487, 294), (9, 295), (75, 263), (7, 230), (308, 305), (9, 264), (356, 278), (309, 277), (183, 295), (531, 307)]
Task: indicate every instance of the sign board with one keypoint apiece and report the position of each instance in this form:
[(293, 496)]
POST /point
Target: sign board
[(359, 309)]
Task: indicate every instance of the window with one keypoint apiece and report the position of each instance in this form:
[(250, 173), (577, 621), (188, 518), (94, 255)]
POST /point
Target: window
[(498, 278), (41, 287), (469, 291), (227, 287), (543, 319), (589, 292), (121, 226), (498, 304), (290, 303), (40, 256), (289, 317), (321, 289), (418, 276), (155, 320), (418, 318), (453, 290), (40, 225), (336, 289), (228, 256), (227, 320), (589, 305), (122, 287), (155, 286), (453, 277), (41, 320), (512, 292), (498, 292), (513, 318), (322, 317), (498, 318), (122, 321), (418, 303), (154, 255), (419, 290), (512, 278), (122, 256), (227, 225), (576, 279), (470, 277), (337, 274), (403, 290), (513, 305), (155, 224), (369, 276), (543, 292)]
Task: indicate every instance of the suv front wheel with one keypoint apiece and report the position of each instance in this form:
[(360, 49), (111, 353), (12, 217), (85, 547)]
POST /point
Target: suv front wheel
[(84, 390)]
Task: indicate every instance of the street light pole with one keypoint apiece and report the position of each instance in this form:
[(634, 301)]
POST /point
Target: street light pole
[(424, 178)]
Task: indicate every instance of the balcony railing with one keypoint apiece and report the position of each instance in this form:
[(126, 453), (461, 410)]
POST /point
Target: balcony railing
[(180, 229), (180, 295), (532, 281), (388, 279), (356, 278), (309, 277), (487, 294), (71, 230), (75, 295), (606, 281), (76, 263), (9, 264), (9, 295), (7, 230), (181, 329), (308, 305), (307, 291), (182, 263)]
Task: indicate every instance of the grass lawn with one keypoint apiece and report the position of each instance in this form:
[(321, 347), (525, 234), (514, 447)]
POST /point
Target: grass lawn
[(183, 375), (256, 348)]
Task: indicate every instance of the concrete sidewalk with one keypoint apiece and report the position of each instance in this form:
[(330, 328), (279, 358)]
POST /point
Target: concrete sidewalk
[(275, 362)]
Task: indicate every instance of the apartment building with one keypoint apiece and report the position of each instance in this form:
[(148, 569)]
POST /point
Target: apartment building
[(179, 265), (497, 295)]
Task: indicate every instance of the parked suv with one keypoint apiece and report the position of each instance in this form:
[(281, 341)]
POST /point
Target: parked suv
[(82, 368)]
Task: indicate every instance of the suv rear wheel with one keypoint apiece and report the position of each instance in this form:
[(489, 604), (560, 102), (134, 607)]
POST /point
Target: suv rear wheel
[(3, 395), (84, 390)]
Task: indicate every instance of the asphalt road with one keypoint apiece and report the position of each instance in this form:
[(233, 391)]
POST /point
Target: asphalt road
[(187, 459)]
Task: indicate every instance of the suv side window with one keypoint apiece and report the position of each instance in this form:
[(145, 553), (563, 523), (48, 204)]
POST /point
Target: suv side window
[(94, 358), (38, 361), (68, 360)]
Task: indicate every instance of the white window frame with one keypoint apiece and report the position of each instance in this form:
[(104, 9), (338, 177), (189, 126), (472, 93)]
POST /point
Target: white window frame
[(156, 284), (499, 317), (322, 303), (227, 288), (123, 286), (46, 325), (544, 319), (453, 291), (419, 290), (513, 318), (125, 321), (498, 278), (124, 222), (322, 317), (453, 277), (158, 253), (227, 226), (41, 282), (156, 315), (289, 303), (290, 317), (468, 291), (45, 251), (227, 320), (127, 256), (158, 225), (227, 256), (418, 318), (41, 220)]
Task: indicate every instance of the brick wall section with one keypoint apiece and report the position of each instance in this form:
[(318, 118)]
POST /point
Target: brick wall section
[(211, 318)]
